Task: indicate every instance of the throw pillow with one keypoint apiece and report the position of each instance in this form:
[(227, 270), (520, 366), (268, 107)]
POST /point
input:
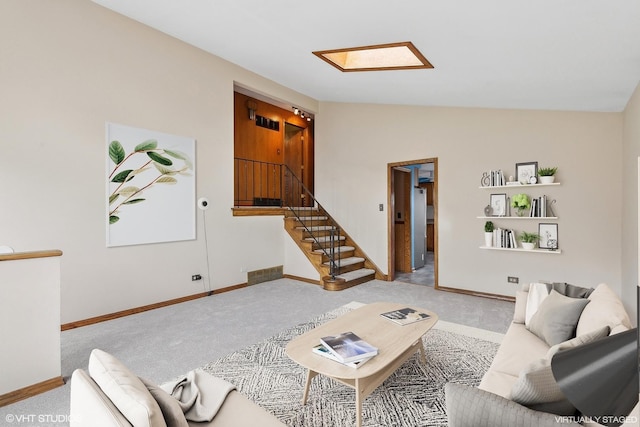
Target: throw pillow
[(125, 390), (571, 291), (537, 293), (536, 386), (171, 410), (604, 309), (556, 318)]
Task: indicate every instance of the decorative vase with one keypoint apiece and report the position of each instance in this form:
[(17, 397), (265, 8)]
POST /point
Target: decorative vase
[(528, 246), (547, 179), (520, 211), (488, 239)]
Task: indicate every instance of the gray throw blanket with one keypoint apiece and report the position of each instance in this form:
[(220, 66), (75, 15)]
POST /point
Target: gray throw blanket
[(199, 394)]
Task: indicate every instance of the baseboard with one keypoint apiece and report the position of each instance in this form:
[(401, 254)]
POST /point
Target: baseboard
[(136, 310), (476, 293), (30, 391), (302, 279)]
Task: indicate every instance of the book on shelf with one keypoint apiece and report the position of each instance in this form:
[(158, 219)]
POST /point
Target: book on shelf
[(405, 316), (322, 351), (348, 347)]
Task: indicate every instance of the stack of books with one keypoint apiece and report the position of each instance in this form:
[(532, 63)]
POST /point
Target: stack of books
[(405, 316), (346, 348)]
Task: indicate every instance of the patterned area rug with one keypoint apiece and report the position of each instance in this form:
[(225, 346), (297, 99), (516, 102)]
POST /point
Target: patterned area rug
[(412, 396)]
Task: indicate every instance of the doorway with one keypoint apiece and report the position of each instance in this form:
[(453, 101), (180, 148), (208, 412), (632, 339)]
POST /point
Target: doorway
[(413, 218)]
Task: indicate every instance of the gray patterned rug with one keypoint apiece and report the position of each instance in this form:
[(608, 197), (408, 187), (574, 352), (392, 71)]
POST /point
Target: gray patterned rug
[(412, 396)]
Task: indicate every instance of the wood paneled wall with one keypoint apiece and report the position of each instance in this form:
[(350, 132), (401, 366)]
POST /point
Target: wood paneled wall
[(258, 143)]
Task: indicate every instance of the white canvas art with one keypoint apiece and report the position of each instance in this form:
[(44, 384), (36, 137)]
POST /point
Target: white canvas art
[(150, 186)]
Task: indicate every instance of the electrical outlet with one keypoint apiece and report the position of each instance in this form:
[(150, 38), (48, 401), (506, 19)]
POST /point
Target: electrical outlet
[(513, 279), (196, 277), (380, 207)]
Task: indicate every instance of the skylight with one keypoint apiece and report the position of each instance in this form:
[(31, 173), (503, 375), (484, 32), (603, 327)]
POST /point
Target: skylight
[(392, 56)]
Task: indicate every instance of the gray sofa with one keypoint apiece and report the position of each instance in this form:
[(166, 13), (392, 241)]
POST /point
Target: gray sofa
[(519, 390), (110, 395)]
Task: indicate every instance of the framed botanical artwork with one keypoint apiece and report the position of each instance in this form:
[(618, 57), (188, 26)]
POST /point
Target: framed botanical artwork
[(548, 236), (498, 204), (527, 173)]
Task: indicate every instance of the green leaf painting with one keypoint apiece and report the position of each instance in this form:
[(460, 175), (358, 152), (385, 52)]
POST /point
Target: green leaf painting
[(149, 164)]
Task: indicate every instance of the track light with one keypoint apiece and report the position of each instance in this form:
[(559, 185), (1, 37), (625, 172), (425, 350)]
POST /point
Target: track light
[(296, 111), (301, 113)]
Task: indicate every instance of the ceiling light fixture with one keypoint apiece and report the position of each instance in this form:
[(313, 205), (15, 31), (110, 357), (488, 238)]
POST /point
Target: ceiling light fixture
[(392, 56), (301, 113)]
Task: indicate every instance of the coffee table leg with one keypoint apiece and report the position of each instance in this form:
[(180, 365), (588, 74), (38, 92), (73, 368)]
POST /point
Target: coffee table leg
[(358, 404), (422, 353), (310, 375)]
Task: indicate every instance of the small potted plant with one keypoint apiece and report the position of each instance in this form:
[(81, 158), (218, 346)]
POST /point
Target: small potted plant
[(521, 203), (488, 234), (547, 175), (528, 240)]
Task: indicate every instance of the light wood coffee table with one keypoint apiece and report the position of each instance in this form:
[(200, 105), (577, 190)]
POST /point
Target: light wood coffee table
[(396, 343)]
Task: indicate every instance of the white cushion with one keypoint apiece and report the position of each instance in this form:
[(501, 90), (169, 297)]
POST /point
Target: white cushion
[(605, 309), (537, 293), (125, 390), (90, 407)]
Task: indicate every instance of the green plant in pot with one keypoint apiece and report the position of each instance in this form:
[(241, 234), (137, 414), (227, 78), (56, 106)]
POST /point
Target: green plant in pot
[(547, 175), (521, 203), (528, 239), (488, 233)]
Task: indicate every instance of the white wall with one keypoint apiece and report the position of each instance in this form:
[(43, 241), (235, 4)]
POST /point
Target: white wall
[(360, 140), (69, 66), (629, 203)]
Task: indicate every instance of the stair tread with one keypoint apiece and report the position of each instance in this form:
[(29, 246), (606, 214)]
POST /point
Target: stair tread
[(348, 261), (356, 274), (316, 228), (337, 249), (310, 218), (322, 239)]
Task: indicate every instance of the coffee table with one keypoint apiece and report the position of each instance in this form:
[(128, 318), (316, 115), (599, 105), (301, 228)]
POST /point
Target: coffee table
[(396, 343)]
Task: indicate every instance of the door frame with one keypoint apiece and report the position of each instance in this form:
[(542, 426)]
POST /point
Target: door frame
[(391, 213)]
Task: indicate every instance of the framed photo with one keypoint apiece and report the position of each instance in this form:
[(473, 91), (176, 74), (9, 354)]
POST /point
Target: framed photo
[(526, 171), (498, 204), (548, 236)]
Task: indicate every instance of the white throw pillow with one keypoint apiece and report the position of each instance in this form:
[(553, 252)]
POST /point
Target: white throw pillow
[(537, 293), (125, 390), (605, 309)]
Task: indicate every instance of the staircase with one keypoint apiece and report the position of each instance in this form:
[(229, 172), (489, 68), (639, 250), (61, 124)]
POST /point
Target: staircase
[(340, 262)]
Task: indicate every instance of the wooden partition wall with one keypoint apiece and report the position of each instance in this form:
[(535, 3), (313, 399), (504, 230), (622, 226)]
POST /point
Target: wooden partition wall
[(272, 136)]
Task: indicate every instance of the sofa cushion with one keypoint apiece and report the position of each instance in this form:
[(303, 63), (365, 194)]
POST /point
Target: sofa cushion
[(90, 406), (538, 292), (518, 348), (171, 410), (605, 309), (536, 386), (557, 317), (125, 390), (571, 291)]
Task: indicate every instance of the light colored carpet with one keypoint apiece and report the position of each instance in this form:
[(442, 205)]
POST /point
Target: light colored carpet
[(412, 396)]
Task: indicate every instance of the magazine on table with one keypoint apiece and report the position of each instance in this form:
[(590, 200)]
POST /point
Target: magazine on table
[(405, 316), (322, 351), (348, 347)]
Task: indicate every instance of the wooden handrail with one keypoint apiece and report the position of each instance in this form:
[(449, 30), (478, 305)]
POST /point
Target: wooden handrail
[(29, 255)]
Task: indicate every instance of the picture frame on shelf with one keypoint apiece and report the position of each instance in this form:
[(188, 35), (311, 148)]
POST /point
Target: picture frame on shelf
[(525, 171), (498, 203), (548, 236)]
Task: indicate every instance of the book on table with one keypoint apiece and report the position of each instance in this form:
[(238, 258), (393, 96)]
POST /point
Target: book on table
[(348, 347), (323, 351), (405, 316)]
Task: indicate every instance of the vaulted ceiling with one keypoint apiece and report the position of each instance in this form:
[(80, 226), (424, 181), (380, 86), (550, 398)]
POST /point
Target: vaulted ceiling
[(581, 55)]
